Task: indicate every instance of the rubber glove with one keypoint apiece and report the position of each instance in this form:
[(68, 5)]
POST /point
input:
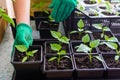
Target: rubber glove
[(23, 35), (61, 9)]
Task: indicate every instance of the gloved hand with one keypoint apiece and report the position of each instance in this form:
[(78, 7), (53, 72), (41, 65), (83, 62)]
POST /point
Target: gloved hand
[(23, 35), (62, 9)]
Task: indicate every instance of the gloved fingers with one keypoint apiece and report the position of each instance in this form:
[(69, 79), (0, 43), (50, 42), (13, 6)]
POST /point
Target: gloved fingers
[(68, 12), (20, 40), (55, 9), (30, 40), (52, 3), (60, 13)]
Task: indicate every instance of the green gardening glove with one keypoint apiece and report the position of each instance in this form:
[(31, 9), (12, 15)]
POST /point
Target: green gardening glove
[(23, 36), (61, 9)]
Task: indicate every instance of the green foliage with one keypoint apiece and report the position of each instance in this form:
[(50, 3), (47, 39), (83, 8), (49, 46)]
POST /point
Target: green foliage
[(23, 48), (108, 6), (88, 49), (58, 46), (61, 38), (6, 17), (103, 29), (80, 28), (86, 38)]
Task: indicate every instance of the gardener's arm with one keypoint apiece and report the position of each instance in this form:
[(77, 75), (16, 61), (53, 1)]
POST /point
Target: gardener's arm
[(23, 29), (22, 11)]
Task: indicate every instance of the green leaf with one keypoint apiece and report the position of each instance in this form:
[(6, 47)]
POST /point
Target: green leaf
[(31, 53), (62, 52), (24, 59), (88, 31), (106, 37), (110, 45), (83, 48), (86, 38), (21, 48), (80, 24), (7, 18), (94, 43), (56, 34), (113, 39), (106, 29), (55, 46), (80, 30), (116, 57), (82, 8), (64, 39), (100, 59), (97, 26), (66, 57), (52, 58), (73, 32)]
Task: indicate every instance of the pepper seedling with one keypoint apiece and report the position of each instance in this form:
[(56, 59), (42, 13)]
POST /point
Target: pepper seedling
[(58, 46), (88, 49), (60, 53), (100, 27), (80, 28), (24, 49)]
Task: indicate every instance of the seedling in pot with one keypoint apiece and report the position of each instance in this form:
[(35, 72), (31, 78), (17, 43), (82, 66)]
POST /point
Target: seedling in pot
[(88, 49), (60, 53), (24, 49), (100, 27), (80, 28), (58, 46), (111, 43)]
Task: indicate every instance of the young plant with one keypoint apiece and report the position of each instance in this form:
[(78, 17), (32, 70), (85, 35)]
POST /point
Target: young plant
[(100, 27), (93, 1), (80, 28), (58, 46), (88, 49), (111, 43), (6, 17), (60, 53), (61, 38), (24, 49), (108, 6)]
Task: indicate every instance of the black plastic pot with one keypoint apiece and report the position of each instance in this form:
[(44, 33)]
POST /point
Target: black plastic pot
[(64, 72), (40, 16), (28, 66), (89, 71), (113, 69)]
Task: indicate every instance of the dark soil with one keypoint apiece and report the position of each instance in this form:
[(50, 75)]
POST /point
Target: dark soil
[(102, 7), (111, 63), (108, 13), (74, 44), (65, 63), (93, 14), (41, 14), (105, 49), (76, 36), (19, 56), (48, 25), (83, 62), (90, 2), (97, 35), (64, 47)]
